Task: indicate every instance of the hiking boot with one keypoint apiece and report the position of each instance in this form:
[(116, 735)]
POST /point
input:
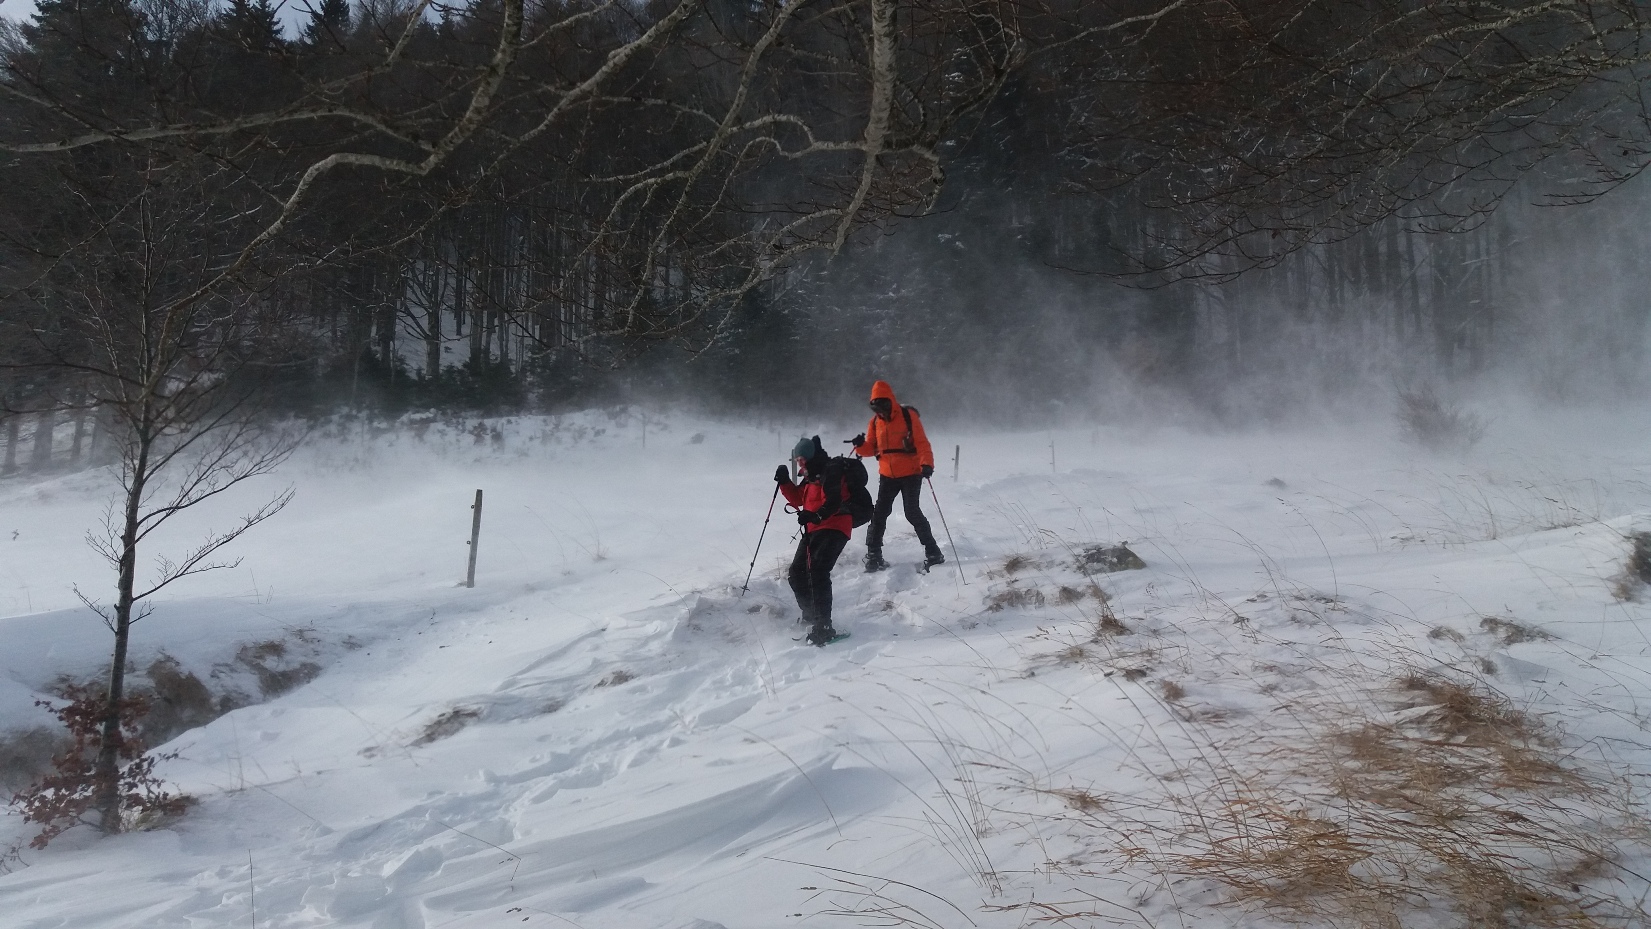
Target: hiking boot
[(875, 562), (821, 635), (933, 557)]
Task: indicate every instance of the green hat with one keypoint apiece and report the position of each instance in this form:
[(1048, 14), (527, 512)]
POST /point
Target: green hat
[(806, 448)]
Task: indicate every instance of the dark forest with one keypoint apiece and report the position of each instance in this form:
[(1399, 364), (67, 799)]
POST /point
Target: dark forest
[(1037, 209)]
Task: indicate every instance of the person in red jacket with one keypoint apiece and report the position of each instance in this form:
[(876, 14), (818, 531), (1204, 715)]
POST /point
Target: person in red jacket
[(904, 460), (827, 526)]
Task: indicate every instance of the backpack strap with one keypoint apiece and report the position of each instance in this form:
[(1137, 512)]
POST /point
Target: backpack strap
[(909, 444)]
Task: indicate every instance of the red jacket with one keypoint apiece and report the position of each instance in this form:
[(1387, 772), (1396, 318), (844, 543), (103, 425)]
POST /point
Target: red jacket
[(810, 495), (900, 453)]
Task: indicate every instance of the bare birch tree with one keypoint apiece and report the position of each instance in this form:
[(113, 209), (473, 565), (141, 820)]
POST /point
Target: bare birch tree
[(178, 378)]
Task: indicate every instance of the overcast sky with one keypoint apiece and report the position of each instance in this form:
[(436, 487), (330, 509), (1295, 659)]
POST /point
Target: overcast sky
[(16, 9), (291, 12)]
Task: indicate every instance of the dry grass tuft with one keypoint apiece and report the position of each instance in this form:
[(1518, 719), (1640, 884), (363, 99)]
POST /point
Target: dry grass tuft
[(1448, 800), (1107, 622), (1625, 588), (1172, 691), (1014, 598), (1015, 564), (1084, 801), (1639, 558), (1108, 625), (25, 755), (1107, 559), (1445, 634), (1428, 420), (615, 678), (1636, 573), (447, 725), (1510, 632), (1428, 801), (276, 670), (178, 701), (1463, 712), (1072, 654)]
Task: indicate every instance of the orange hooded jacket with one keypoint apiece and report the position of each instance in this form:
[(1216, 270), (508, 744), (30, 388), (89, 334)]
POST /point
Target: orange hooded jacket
[(900, 445)]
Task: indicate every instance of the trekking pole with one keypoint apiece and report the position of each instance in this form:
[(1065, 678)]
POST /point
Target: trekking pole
[(942, 513), (764, 532)]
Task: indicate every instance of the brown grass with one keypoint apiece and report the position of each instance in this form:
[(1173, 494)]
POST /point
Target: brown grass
[(1465, 804), (1107, 559), (1434, 801), (25, 754), (1465, 712), (277, 672), (1107, 622), (1636, 572), (178, 701), (1014, 598), (1639, 556), (1065, 595), (1084, 801), (1625, 587), (1433, 422), (1510, 632), (447, 724), (615, 678)]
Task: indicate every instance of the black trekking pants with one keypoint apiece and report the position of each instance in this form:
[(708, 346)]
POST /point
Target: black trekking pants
[(810, 574), (887, 489)]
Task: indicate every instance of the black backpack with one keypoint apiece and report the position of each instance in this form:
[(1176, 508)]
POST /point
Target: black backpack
[(852, 473)]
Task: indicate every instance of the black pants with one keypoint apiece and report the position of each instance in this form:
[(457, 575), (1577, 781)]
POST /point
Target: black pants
[(911, 488), (810, 574)]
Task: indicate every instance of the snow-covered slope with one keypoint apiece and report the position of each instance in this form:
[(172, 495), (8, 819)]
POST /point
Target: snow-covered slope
[(605, 732)]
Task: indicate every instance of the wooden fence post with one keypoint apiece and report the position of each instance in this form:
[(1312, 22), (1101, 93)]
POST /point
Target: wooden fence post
[(475, 536)]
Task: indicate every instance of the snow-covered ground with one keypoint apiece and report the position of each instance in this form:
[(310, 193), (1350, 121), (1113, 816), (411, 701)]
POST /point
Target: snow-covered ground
[(605, 733)]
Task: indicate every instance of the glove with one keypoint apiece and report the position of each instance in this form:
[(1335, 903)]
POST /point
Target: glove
[(782, 475), (928, 472), (859, 440), (807, 517)]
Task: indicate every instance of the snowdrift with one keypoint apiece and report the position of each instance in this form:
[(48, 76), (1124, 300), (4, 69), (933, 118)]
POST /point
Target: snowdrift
[(1332, 649)]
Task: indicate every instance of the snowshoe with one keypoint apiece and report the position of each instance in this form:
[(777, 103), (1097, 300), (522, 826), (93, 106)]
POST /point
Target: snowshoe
[(875, 562), (931, 559), (820, 638)]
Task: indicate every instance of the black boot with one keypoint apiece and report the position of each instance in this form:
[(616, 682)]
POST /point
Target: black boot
[(933, 557), (821, 635), (875, 562)]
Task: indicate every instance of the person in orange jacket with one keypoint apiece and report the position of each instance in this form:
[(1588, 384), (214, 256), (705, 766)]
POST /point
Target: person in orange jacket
[(904, 460)]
